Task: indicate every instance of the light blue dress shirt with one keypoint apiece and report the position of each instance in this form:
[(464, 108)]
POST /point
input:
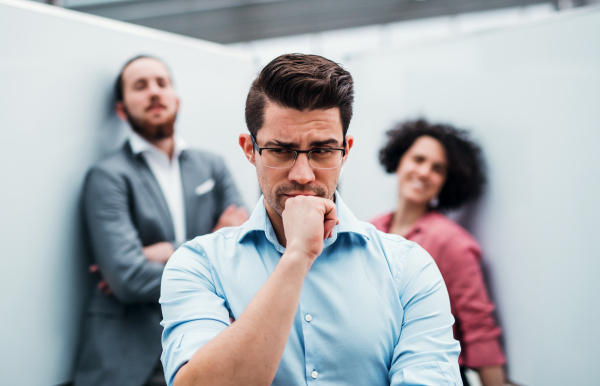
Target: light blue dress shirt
[(373, 310)]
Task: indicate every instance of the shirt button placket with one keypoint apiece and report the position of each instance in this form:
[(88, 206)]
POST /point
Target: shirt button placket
[(314, 374)]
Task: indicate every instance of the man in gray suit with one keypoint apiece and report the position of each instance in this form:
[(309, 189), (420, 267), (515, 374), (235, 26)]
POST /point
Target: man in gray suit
[(140, 204)]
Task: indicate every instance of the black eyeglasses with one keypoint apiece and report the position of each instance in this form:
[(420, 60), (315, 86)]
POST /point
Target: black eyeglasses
[(283, 158)]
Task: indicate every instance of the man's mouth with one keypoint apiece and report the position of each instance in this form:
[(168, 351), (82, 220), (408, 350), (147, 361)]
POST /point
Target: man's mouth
[(294, 194), (155, 106), (295, 189)]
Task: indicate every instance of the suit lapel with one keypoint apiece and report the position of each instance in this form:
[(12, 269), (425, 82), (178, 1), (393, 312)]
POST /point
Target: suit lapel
[(154, 191)]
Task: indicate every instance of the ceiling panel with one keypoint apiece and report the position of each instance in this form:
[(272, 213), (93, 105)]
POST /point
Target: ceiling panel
[(229, 21)]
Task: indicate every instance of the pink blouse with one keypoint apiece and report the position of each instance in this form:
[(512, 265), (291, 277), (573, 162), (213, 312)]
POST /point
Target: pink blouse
[(458, 256)]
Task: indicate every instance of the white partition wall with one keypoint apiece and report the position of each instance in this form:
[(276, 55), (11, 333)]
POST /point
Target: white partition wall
[(57, 70), (531, 96)]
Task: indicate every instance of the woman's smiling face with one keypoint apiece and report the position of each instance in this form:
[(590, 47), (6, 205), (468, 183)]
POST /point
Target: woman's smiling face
[(422, 171)]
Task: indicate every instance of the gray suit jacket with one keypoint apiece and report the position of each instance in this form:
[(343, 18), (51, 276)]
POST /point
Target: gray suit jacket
[(125, 210)]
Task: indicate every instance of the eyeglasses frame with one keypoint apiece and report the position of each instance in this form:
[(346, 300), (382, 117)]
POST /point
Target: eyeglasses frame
[(307, 152)]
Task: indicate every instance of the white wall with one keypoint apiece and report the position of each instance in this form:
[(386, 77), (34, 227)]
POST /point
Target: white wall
[(57, 70), (531, 96)]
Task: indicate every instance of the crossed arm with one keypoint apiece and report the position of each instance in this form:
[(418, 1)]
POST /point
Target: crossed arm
[(118, 251), (130, 271)]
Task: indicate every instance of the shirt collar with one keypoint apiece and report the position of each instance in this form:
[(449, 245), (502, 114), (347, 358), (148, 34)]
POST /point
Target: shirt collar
[(259, 221), (139, 145)]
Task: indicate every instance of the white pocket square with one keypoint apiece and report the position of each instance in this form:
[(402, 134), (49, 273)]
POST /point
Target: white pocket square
[(205, 187)]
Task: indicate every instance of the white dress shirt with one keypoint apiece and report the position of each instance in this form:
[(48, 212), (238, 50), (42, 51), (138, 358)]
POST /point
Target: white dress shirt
[(168, 174)]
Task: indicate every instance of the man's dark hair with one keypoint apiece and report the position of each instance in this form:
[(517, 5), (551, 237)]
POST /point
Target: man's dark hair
[(465, 178), (301, 82), (119, 81)]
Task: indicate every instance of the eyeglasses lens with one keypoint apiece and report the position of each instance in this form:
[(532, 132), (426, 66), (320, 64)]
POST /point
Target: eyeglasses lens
[(319, 158)]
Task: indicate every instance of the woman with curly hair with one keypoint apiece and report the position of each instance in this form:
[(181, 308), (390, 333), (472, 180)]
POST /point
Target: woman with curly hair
[(438, 169)]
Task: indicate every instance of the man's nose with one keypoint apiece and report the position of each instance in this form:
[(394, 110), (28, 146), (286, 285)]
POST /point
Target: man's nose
[(301, 171), (154, 88)]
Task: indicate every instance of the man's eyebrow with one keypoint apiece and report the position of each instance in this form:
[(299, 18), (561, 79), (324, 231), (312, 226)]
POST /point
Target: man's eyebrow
[(331, 141), (294, 145), (280, 144)]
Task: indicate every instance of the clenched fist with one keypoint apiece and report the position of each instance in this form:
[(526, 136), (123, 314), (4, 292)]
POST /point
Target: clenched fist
[(307, 221)]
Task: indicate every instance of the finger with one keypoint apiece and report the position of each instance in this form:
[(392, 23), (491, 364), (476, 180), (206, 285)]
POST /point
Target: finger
[(330, 210), (328, 226), (242, 217), (103, 286), (243, 213), (93, 268), (330, 220), (230, 209)]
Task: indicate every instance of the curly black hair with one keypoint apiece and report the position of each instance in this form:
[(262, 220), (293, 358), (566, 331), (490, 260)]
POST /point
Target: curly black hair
[(465, 179)]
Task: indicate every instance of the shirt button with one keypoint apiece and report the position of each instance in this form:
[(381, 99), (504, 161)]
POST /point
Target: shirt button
[(308, 318), (314, 374)]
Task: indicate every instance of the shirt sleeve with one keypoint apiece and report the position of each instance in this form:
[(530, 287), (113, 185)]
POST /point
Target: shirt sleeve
[(479, 333), (193, 312), (426, 352)]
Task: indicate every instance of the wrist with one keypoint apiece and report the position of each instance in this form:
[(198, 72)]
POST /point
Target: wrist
[(303, 250), (297, 260)]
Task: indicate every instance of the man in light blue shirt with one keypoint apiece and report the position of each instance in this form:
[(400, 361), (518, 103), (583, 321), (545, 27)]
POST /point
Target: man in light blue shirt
[(317, 296)]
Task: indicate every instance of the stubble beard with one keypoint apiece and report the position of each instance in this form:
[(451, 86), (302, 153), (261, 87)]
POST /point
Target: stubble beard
[(276, 197)]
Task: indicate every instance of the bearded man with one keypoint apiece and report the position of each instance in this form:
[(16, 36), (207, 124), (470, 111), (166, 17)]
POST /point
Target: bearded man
[(140, 204)]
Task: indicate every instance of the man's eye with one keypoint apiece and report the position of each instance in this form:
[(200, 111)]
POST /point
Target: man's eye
[(322, 151), (161, 83), (281, 152), (140, 84)]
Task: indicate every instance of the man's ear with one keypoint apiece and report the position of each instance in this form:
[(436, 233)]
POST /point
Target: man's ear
[(349, 144), (246, 144), (120, 109)]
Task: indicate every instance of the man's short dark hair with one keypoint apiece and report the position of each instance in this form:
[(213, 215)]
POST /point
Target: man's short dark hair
[(119, 81), (301, 82), (465, 178)]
